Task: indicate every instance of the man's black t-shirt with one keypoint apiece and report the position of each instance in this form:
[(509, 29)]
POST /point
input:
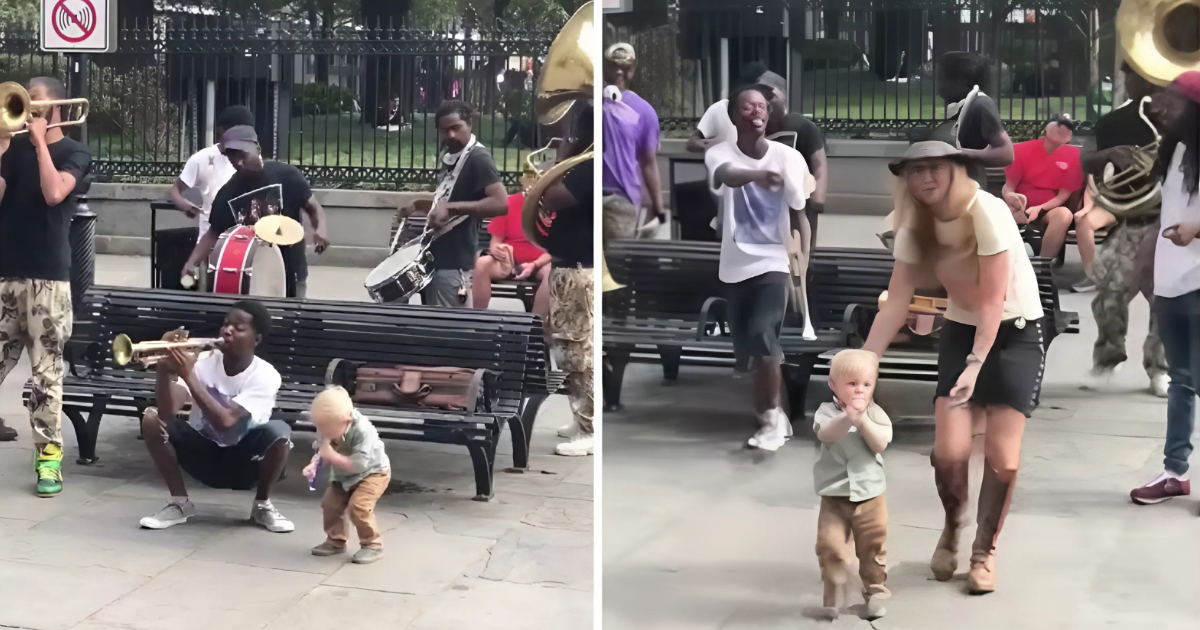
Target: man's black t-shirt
[(980, 123), (1122, 127), (34, 237), (809, 138), (456, 249), (296, 193), (568, 232)]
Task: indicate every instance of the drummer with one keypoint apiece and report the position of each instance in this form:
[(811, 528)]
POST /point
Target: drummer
[(240, 147)]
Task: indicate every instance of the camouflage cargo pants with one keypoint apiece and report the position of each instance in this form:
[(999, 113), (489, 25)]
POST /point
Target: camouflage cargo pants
[(1124, 267), (36, 314), (620, 219), (571, 320)]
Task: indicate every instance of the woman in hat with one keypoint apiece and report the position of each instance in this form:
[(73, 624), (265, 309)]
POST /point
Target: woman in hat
[(951, 233)]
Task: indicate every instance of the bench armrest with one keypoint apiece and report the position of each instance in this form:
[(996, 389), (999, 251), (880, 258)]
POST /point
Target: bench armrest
[(706, 313), (856, 325)]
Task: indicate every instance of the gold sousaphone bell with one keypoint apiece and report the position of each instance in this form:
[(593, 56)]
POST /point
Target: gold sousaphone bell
[(149, 353), (16, 109), (567, 76)]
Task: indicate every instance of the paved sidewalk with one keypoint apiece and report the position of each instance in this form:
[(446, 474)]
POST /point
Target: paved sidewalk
[(700, 534), (79, 561)]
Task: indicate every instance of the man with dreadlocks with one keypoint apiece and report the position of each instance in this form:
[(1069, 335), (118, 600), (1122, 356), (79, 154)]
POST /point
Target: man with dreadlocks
[(1176, 112)]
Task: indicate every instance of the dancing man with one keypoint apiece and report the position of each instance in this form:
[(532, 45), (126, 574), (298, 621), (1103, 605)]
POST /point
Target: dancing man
[(229, 440), (1124, 266), (468, 186), (240, 146), (42, 173), (564, 226), (1045, 172), (990, 357), (1176, 113), (761, 186), (716, 127)]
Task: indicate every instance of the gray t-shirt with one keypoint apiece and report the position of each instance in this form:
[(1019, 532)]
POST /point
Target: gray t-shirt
[(362, 445), (848, 467), (980, 123)]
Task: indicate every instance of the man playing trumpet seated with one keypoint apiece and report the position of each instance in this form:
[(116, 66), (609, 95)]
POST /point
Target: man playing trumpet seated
[(229, 440), (41, 174)]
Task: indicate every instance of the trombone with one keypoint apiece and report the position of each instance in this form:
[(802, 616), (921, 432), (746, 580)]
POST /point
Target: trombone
[(16, 109), (149, 353)]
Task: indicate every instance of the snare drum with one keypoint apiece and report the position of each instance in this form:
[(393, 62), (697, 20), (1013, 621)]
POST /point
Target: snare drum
[(404, 273), (242, 264)]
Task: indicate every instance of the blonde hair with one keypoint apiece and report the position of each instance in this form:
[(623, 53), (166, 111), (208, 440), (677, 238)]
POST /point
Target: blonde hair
[(332, 405), (853, 363)]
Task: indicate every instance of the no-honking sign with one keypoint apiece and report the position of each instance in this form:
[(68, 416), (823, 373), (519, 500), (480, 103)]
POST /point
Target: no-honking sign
[(79, 25)]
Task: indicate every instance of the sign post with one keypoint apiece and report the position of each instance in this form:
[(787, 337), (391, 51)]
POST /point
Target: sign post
[(79, 26)]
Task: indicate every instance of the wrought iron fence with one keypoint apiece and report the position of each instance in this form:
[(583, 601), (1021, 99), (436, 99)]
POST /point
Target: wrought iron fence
[(867, 68), (348, 106)]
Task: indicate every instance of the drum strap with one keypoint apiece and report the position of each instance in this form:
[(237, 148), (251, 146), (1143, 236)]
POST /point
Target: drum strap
[(959, 109), (446, 184)]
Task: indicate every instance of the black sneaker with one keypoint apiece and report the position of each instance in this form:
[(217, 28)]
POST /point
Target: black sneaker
[(7, 433)]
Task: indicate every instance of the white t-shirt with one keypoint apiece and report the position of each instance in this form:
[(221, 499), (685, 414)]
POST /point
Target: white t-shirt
[(253, 389), (715, 123), (985, 229), (207, 170), (755, 226), (1177, 269)]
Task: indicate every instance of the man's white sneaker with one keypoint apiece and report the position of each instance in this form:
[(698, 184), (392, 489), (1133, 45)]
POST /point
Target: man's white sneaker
[(1099, 378), (1159, 384), (776, 430), (579, 446), (265, 514), (174, 513), (568, 430)]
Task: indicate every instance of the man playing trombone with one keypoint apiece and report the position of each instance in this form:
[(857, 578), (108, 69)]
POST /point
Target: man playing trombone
[(41, 173)]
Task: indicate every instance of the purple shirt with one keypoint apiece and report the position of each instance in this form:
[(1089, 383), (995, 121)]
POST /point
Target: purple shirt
[(625, 138)]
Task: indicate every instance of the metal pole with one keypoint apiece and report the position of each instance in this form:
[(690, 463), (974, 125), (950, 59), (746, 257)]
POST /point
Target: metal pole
[(79, 70), (724, 67), (210, 103)]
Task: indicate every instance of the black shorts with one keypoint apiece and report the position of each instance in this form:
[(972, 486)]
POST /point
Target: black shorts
[(755, 309), (1012, 373), (224, 467)]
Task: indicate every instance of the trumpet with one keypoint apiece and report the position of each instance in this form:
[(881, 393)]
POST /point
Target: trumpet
[(16, 109), (149, 353)]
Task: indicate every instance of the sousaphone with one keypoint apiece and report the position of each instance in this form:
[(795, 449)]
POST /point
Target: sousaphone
[(567, 76), (1159, 37)]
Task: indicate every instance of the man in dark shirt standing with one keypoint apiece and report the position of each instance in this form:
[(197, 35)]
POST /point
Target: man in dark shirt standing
[(564, 227), (472, 189), (973, 121), (240, 146), (40, 174)]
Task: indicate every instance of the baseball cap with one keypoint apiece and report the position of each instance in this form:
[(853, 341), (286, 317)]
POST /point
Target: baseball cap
[(923, 151), (1065, 120), (240, 138), (1187, 84), (620, 53)]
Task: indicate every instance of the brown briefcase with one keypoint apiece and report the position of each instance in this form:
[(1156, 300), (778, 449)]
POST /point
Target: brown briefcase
[(450, 388)]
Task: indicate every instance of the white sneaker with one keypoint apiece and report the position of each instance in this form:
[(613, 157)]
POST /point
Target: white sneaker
[(265, 514), (579, 446), (776, 430), (1159, 384), (174, 513), (1099, 378), (568, 430)]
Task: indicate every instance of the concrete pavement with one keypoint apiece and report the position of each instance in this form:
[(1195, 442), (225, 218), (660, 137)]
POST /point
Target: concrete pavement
[(702, 534), (79, 561)]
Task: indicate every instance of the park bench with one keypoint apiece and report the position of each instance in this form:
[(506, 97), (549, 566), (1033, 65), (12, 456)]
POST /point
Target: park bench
[(305, 336), (523, 290), (671, 312), (841, 277)]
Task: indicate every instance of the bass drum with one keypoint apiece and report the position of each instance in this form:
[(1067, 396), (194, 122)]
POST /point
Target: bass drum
[(404, 273), (243, 264)]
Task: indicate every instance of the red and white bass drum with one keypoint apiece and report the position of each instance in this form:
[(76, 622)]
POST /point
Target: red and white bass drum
[(243, 264)]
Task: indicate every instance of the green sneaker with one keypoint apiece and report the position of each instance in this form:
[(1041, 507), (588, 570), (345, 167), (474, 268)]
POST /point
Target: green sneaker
[(48, 463)]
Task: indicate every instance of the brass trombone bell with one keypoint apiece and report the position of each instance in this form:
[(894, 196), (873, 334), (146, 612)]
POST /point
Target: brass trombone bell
[(149, 353), (16, 109)]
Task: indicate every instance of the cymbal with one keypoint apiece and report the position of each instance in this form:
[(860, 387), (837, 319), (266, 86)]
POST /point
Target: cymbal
[(278, 229)]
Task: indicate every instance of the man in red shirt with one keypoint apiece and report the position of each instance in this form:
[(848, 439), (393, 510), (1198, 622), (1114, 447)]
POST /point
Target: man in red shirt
[(511, 256), (1043, 175)]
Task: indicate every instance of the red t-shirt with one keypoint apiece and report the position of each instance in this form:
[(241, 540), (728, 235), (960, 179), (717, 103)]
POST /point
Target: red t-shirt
[(508, 227), (1039, 175)]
